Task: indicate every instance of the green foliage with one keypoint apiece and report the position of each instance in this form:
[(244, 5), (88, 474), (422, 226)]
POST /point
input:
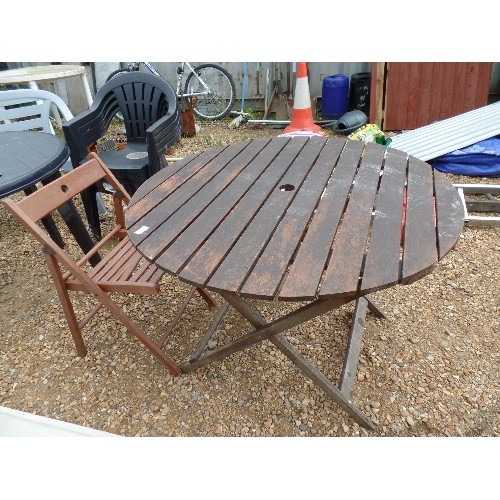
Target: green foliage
[(253, 114)]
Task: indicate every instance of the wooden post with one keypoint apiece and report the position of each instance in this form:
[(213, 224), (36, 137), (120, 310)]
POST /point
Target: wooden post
[(377, 93)]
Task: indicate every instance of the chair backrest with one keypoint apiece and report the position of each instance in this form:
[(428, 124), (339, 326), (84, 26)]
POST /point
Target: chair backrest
[(45, 200), (141, 98), (29, 109)]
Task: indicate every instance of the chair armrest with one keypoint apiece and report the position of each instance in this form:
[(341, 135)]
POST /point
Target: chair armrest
[(87, 127), (162, 134)]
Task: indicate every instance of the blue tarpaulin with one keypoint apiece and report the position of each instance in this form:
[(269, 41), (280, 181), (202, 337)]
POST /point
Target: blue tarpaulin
[(481, 159)]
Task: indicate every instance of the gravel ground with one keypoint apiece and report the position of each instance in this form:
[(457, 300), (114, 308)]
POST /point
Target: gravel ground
[(430, 369)]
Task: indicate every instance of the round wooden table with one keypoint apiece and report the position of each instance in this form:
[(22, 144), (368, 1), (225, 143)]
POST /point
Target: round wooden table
[(321, 220), (32, 75)]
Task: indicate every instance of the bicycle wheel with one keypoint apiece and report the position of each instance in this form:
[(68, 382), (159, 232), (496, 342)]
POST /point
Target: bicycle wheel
[(218, 102), (114, 73)]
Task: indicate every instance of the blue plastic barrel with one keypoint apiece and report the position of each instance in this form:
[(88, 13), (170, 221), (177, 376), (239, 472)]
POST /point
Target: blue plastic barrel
[(335, 96)]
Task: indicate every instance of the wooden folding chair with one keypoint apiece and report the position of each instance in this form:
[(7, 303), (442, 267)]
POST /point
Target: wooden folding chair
[(122, 269)]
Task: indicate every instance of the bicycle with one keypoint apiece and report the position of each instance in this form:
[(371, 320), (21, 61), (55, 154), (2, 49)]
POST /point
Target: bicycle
[(211, 85)]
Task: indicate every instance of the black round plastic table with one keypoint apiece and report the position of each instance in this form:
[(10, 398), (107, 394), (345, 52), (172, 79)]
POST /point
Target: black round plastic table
[(28, 157), (324, 221)]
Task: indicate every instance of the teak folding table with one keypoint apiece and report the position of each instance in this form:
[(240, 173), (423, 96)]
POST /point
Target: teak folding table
[(324, 221)]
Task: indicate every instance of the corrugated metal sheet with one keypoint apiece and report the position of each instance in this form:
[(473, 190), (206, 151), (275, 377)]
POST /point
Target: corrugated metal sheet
[(445, 136)]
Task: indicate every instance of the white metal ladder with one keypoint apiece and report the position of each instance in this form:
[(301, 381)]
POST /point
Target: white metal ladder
[(488, 203)]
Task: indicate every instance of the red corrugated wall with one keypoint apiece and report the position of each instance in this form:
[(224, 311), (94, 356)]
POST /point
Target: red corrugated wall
[(417, 94)]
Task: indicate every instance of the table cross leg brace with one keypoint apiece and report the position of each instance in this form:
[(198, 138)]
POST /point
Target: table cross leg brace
[(264, 330)]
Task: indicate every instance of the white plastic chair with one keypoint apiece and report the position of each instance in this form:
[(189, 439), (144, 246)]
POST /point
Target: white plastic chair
[(31, 111)]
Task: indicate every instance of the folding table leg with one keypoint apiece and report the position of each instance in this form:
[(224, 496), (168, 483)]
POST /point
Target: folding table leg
[(342, 399), (208, 334), (271, 331), (266, 331), (353, 348)]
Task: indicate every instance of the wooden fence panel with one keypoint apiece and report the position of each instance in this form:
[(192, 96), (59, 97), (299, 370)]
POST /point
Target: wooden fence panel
[(417, 94)]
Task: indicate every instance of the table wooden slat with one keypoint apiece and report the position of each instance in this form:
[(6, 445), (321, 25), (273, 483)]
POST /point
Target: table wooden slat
[(420, 250), (449, 213), (348, 249), (272, 264), (215, 248), (166, 173), (382, 263), (191, 205), (239, 263), (305, 272), (164, 185), (203, 226)]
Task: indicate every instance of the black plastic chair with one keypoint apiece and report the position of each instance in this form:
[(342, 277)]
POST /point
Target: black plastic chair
[(153, 123)]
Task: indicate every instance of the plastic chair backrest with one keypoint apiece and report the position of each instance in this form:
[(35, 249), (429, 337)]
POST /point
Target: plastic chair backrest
[(29, 109), (141, 98)]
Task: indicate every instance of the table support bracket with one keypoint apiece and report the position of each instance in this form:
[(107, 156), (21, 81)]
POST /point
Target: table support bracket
[(265, 331), (208, 334), (374, 307)]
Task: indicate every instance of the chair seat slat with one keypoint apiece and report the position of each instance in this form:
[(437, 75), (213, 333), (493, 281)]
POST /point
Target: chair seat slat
[(116, 265)]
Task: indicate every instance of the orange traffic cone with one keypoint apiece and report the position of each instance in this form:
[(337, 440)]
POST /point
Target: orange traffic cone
[(302, 122)]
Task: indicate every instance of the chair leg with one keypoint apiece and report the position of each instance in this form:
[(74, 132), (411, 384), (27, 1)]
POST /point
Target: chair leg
[(69, 312), (177, 316), (135, 329), (206, 296), (113, 308)]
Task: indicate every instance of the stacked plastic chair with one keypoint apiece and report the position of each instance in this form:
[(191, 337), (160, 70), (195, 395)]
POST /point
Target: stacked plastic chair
[(152, 122)]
